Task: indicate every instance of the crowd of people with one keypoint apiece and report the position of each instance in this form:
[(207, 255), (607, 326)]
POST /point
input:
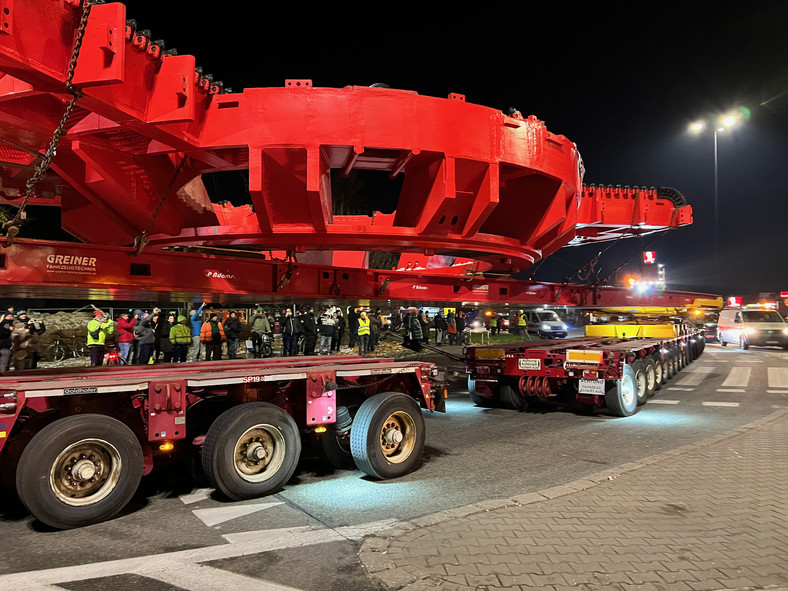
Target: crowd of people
[(140, 337)]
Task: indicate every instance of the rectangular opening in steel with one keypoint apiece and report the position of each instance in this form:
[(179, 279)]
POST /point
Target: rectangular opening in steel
[(140, 270)]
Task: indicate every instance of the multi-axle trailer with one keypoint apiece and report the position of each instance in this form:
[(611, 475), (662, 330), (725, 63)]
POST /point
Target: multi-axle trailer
[(75, 443), (617, 373)]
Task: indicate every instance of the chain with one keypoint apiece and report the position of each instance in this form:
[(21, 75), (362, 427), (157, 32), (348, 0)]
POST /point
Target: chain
[(11, 227), (142, 240)]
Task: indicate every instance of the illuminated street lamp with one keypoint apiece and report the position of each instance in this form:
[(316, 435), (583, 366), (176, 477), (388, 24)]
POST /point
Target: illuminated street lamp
[(719, 125)]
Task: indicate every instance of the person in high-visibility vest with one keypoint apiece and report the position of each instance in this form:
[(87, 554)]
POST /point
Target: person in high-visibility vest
[(522, 323), (363, 334), (494, 323), (98, 329)]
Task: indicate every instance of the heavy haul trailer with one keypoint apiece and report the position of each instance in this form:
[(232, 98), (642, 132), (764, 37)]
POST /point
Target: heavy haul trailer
[(76, 443), (619, 374)]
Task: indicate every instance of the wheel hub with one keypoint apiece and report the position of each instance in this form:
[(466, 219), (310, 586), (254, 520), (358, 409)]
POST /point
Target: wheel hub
[(85, 472), (259, 452)]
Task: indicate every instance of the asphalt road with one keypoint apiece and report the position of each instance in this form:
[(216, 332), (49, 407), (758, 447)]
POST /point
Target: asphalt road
[(177, 535)]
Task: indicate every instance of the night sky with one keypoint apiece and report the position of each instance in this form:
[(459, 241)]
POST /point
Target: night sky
[(622, 83)]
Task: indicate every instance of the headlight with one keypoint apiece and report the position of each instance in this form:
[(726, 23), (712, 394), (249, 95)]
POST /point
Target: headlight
[(785, 331), (545, 327), (564, 327), (749, 331)]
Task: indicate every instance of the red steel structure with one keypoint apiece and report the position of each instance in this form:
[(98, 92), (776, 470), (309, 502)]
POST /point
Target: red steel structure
[(148, 127)]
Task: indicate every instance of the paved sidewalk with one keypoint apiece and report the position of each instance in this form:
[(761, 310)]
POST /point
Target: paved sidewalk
[(711, 515)]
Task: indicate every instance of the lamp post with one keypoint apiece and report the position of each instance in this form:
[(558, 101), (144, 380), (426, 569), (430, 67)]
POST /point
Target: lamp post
[(718, 126)]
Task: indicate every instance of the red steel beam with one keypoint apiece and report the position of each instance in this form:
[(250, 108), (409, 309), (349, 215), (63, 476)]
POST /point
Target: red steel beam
[(48, 269)]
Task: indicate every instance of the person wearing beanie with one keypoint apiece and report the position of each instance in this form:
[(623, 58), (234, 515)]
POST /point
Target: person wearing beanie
[(125, 326), (180, 337), (212, 336), (98, 329), (232, 329)]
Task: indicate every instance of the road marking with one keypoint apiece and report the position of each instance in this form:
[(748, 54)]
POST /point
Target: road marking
[(217, 515), (200, 494), (696, 376), (731, 390), (778, 377), (198, 577), (276, 539), (738, 376), (663, 401), (682, 389), (352, 532), (720, 403), (777, 391)]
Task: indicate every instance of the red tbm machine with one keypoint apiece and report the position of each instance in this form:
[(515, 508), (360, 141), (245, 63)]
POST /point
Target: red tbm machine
[(122, 135)]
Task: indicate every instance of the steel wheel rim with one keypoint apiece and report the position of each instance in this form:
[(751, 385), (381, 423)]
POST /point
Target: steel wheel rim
[(397, 438), (259, 453), (628, 390), (85, 472), (651, 378), (640, 381)]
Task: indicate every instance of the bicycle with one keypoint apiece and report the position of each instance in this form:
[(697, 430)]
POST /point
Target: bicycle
[(63, 344)]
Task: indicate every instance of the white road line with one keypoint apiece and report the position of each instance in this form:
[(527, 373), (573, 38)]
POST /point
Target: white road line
[(731, 390), (275, 539), (720, 403), (682, 389), (778, 377), (197, 577), (777, 391), (738, 377), (695, 376), (663, 401), (217, 515)]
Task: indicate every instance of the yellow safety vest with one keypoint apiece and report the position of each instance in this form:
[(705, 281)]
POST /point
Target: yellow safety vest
[(363, 326)]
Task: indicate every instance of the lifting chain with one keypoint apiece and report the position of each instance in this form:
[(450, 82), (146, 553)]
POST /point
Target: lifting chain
[(12, 226), (142, 240)]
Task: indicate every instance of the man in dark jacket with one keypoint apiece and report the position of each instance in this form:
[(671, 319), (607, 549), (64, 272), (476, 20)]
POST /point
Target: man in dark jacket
[(6, 328), (375, 327), (232, 329), (352, 326), (310, 332), (291, 328), (143, 333), (440, 328), (340, 325)]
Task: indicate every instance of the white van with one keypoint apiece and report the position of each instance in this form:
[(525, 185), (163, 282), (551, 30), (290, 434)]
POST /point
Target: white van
[(546, 324), (752, 326)]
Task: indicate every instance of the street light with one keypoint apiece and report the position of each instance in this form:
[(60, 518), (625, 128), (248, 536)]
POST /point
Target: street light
[(719, 125)]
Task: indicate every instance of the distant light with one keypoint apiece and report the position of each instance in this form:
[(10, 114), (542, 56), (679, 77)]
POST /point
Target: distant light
[(697, 127), (729, 120)]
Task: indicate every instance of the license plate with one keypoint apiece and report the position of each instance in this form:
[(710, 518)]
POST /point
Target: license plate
[(772, 342), (596, 387), (532, 364)]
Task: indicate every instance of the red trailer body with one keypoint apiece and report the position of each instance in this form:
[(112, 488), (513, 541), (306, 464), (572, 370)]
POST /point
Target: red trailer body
[(75, 443)]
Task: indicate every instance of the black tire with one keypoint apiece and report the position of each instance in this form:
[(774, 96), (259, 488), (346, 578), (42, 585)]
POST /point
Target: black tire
[(659, 371), (266, 350), (79, 470), (251, 450), (721, 339), (621, 396), (512, 399), (743, 344), (651, 376), (641, 381), (477, 399), (57, 352), (336, 446), (336, 449), (388, 435)]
